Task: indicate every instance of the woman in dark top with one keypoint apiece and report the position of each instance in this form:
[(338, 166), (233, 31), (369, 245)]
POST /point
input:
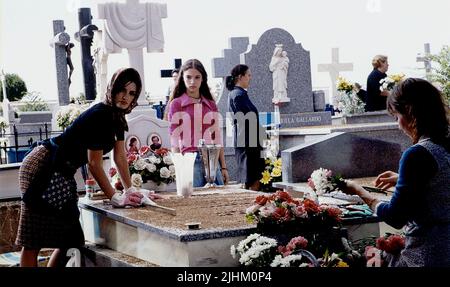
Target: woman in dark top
[(94, 133), (376, 99), (421, 200), (246, 128)]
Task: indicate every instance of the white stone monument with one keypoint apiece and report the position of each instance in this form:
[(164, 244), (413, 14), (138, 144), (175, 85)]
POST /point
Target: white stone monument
[(334, 68), (133, 26), (279, 66)]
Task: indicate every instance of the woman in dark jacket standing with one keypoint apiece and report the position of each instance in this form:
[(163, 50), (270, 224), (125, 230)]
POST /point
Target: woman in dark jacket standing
[(248, 148)]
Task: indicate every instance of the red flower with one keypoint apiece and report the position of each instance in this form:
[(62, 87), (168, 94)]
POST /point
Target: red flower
[(281, 214), (311, 206), (333, 212), (261, 200), (393, 244), (118, 185), (162, 151), (131, 158), (283, 196), (144, 149), (112, 171)]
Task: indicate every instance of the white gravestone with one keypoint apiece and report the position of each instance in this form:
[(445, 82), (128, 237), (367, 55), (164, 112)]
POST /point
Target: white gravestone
[(334, 68), (133, 26)]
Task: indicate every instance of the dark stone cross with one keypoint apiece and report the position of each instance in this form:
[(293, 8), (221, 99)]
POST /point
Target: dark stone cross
[(85, 36), (168, 73)]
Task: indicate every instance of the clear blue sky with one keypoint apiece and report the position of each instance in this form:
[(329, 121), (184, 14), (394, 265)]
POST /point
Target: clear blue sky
[(201, 28)]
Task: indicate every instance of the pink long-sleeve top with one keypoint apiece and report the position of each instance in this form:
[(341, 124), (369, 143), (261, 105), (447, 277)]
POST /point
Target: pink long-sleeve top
[(191, 121)]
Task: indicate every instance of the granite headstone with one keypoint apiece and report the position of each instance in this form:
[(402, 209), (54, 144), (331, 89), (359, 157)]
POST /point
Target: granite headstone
[(344, 153)]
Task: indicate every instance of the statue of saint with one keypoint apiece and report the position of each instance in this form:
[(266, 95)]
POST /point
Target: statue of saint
[(279, 66)]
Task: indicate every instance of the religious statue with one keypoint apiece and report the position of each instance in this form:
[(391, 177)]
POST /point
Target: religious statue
[(279, 67), (68, 48)]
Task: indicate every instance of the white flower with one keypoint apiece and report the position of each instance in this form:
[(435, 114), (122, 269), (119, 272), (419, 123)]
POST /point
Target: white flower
[(167, 160), (252, 209), (139, 164), (172, 170), (321, 182), (164, 172), (154, 159), (233, 251), (267, 210), (136, 180), (150, 167), (280, 261)]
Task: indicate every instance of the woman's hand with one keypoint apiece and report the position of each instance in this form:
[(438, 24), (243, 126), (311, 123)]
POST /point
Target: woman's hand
[(130, 197), (352, 187), (386, 180), (226, 176)]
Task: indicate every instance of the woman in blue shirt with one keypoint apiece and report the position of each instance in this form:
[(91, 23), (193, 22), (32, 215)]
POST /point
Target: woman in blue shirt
[(421, 200)]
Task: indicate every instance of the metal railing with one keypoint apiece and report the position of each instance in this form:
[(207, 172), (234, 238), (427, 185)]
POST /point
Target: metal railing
[(15, 147)]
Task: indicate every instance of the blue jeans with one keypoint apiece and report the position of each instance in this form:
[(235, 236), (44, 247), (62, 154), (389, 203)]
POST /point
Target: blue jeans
[(199, 173)]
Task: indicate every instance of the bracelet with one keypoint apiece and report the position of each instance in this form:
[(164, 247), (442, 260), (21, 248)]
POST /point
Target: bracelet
[(224, 168)]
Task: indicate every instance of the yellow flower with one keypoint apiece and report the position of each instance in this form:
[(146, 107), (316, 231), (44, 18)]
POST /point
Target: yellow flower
[(265, 177), (397, 77), (277, 163), (342, 264), (276, 172), (267, 161)]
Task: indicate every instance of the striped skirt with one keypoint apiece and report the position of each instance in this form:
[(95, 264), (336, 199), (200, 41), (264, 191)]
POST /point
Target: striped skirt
[(39, 229)]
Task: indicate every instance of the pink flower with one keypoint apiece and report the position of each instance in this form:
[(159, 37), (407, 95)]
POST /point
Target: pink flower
[(311, 183), (298, 242), (112, 171), (328, 173)]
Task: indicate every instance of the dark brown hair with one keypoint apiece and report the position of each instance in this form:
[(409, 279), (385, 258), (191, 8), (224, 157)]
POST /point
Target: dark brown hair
[(180, 87), (119, 81), (422, 105), (238, 70)]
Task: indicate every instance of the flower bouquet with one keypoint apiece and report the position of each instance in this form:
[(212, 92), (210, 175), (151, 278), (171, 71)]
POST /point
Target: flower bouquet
[(271, 173), (347, 100), (323, 181), (260, 251), (388, 83), (282, 217), (66, 115), (157, 167)]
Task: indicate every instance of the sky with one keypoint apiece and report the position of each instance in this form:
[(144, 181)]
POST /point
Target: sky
[(201, 29)]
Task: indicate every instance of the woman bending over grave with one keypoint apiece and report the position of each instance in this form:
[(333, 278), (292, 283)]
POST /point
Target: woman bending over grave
[(421, 200), (193, 116), (248, 149), (49, 212)]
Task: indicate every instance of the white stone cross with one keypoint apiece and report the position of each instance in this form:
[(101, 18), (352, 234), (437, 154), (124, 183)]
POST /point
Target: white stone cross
[(133, 26), (334, 68), (425, 59)]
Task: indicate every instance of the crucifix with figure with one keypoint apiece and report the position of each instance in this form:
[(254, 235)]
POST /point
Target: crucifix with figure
[(334, 68), (425, 58)]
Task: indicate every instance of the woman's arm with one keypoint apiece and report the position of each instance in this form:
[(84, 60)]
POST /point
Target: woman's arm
[(120, 159), (95, 163)]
